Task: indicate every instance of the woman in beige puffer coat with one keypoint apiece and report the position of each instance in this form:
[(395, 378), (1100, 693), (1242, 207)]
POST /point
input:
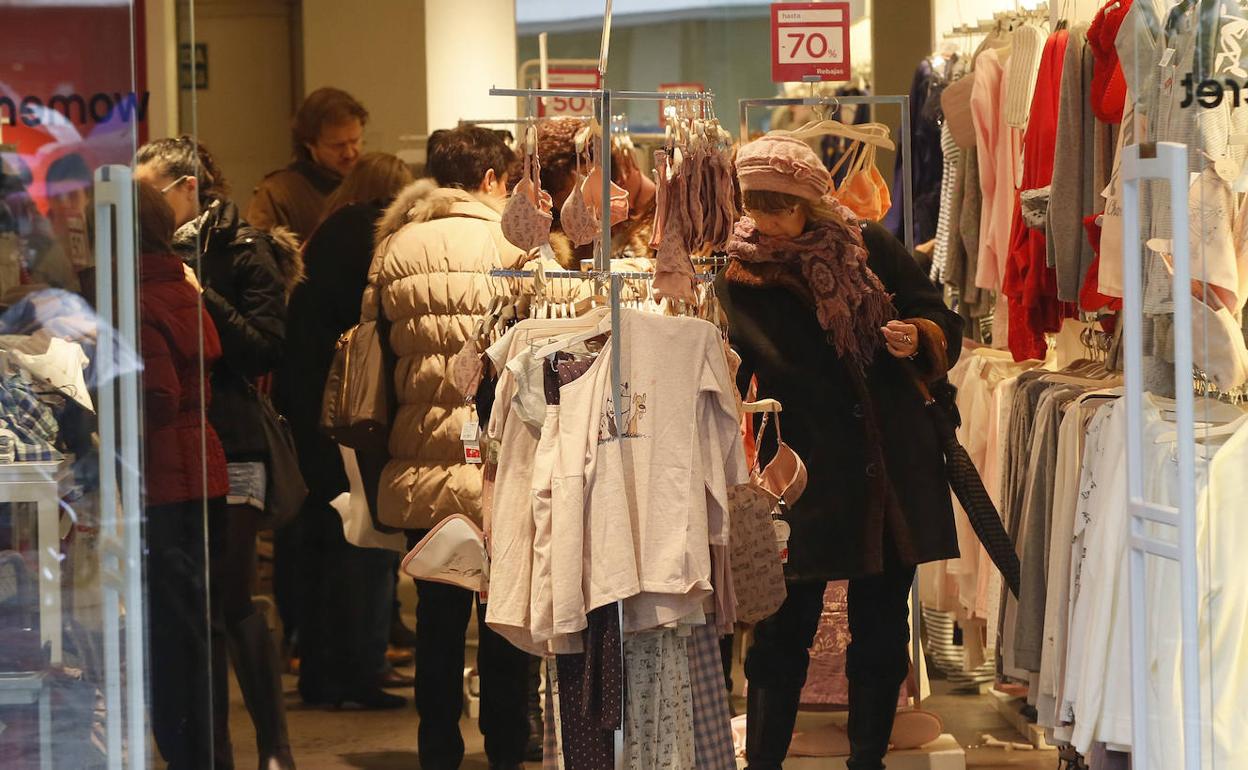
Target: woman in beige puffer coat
[(435, 249), (431, 269)]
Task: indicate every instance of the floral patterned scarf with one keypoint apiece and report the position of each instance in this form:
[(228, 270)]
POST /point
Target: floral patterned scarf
[(850, 301)]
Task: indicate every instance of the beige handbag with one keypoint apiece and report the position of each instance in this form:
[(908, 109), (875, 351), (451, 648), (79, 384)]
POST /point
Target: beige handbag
[(355, 409), (758, 535)]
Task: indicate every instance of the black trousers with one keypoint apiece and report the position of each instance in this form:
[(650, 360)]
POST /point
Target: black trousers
[(877, 662), (178, 630), (346, 599), (442, 615)]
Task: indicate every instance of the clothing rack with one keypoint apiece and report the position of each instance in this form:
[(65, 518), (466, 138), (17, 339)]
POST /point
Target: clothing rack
[(902, 101), (516, 121), (603, 99)]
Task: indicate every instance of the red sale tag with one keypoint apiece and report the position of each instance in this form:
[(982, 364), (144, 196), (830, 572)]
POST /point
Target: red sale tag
[(809, 41)]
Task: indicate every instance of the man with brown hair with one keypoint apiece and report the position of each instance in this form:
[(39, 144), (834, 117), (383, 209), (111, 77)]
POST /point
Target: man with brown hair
[(327, 134)]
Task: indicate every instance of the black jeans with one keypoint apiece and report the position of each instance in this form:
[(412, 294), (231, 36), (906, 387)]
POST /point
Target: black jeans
[(181, 672), (346, 597), (877, 662), (442, 614)]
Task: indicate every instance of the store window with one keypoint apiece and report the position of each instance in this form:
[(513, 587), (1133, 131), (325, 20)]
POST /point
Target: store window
[(210, 209)]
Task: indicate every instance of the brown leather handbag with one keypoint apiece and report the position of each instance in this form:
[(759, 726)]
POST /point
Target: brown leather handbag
[(356, 407)]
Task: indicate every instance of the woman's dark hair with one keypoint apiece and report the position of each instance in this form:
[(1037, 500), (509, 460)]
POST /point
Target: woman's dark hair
[(184, 156), (156, 220), (378, 176), (323, 107), (460, 157)]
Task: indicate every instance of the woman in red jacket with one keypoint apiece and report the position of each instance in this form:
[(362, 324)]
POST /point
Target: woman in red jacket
[(186, 483)]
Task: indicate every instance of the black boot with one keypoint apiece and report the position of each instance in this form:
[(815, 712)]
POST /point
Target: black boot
[(537, 729), (222, 748), (872, 708), (771, 713), (259, 677)]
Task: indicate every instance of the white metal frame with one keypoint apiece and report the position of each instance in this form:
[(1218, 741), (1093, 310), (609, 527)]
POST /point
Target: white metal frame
[(121, 511), (1168, 161)]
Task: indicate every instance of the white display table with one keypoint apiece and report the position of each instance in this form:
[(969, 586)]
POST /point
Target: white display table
[(39, 483), (23, 690)]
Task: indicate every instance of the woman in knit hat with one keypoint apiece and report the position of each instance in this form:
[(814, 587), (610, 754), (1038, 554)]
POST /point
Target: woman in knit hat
[(837, 322)]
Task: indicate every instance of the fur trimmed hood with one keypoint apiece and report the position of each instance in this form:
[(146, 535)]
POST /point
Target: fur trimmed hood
[(423, 200), (288, 253)]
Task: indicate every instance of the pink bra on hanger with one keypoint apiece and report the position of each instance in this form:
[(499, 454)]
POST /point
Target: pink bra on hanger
[(582, 211), (785, 476), (526, 219)]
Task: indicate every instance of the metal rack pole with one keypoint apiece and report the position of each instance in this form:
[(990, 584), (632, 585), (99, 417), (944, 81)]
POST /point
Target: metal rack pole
[(902, 101)]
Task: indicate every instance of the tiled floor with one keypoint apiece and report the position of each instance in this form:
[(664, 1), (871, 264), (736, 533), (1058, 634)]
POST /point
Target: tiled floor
[(386, 740)]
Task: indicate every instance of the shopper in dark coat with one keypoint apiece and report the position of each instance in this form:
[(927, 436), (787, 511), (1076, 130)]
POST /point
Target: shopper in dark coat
[(345, 593), (184, 473), (245, 277), (837, 322)]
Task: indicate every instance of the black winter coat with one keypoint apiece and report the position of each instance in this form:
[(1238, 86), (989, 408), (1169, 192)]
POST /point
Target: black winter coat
[(853, 510), (247, 275), (325, 305)]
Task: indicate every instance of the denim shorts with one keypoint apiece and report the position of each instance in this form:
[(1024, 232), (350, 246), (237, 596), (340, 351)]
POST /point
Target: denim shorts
[(247, 484)]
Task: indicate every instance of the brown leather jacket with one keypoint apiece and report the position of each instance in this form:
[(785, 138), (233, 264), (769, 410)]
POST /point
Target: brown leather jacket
[(293, 197)]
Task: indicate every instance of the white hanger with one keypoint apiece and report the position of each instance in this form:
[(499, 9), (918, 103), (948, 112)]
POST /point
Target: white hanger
[(1202, 434)]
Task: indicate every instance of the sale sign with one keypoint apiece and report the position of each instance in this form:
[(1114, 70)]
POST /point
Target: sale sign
[(573, 79), (809, 42)]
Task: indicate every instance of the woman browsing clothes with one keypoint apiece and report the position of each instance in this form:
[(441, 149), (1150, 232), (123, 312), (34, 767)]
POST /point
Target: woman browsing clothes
[(846, 361), (245, 277)]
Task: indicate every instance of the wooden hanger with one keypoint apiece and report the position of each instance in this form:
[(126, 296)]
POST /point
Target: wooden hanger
[(765, 405)]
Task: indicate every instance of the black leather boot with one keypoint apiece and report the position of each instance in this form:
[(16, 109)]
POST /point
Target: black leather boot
[(222, 748), (771, 713), (259, 677), (872, 709), (537, 729)]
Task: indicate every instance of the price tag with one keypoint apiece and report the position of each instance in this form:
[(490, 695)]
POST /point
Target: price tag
[(809, 41), (470, 434), (782, 538)]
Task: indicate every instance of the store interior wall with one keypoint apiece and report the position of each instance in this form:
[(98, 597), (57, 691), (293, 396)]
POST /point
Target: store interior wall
[(378, 56), (470, 46), (243, 113), (161, 26), (903, 28)]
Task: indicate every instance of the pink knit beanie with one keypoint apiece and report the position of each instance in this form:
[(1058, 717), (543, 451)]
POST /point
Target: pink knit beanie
[(782, 164)]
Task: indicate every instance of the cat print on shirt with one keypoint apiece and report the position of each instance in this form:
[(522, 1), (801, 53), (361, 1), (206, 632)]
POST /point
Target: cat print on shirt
[(633, 416)]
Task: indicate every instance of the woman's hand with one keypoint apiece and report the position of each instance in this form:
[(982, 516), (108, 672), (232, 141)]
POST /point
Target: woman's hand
[(192, 279), (902, 338)]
